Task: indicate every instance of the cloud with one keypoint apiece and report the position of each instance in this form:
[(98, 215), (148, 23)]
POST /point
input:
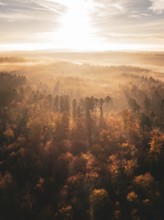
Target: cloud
[(26, 16), (110, 20), (52, 6), (2, 4), (157, 6), (125, 27), (31, 7), (124, 6), (139, 36)]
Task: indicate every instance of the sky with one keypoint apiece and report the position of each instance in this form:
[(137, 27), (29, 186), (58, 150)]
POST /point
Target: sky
[(82, 24)]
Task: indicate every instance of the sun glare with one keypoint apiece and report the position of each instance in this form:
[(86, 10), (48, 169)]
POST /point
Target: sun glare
[(75, 29)]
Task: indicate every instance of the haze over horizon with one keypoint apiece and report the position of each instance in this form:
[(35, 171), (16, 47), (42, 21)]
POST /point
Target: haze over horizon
[(88, 25)]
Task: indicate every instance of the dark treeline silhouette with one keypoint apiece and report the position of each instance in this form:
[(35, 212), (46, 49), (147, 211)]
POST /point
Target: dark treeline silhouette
[(9, 59), (70, 156)]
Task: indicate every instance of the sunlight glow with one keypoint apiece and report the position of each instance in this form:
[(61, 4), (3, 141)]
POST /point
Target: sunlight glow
[(93, 47), (80, 25), (75, 30)]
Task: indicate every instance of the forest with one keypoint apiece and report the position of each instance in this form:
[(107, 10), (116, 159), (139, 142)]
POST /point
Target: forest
[(80, 141)]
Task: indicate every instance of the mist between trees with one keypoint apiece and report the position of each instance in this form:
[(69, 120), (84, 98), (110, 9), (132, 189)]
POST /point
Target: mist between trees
[(81, 142)]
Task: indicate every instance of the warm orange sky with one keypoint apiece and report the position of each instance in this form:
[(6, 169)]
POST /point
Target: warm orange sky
[(82, 24)]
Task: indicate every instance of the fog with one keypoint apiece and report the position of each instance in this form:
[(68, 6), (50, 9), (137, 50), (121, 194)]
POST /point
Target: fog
[(81, 136)]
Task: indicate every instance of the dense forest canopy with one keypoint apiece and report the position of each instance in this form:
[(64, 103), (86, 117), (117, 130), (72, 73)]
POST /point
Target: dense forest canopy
[(81, 142)]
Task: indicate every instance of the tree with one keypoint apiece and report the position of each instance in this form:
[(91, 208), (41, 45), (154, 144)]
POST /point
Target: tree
[(133, 105), (100, 205)]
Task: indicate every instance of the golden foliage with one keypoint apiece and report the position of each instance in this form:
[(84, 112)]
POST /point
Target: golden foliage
[(66, 212), (9, 133), (144, 180), (40, 184), (98, 195), (132, 196), (156, 143), (5, 180)]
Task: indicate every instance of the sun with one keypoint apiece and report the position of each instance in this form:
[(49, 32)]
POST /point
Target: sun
[(75, 28)]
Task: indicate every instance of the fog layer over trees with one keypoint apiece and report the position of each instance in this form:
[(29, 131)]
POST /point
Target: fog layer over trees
[(81, 142)]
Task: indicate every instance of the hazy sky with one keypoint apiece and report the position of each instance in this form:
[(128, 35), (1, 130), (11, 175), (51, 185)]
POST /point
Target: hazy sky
[(82, 24)]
